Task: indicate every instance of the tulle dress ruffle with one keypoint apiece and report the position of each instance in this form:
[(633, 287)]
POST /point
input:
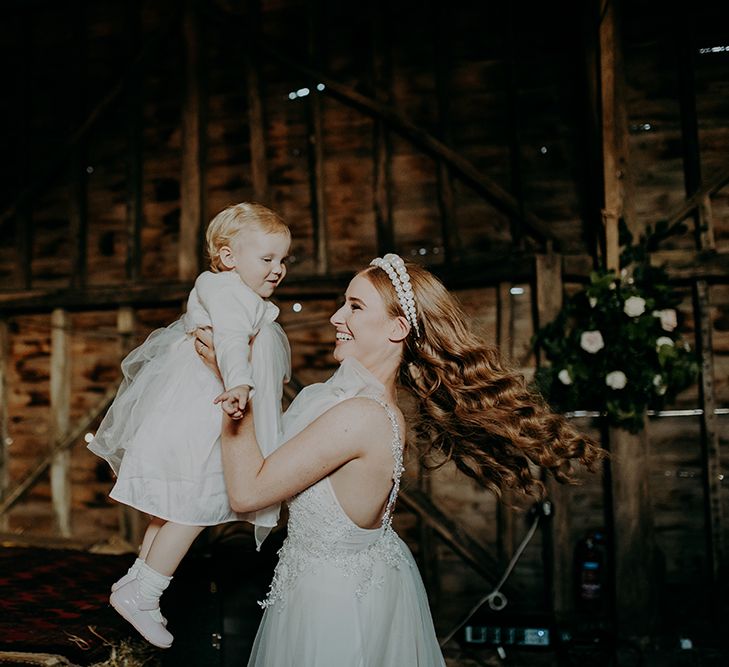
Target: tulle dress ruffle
[(161, 433)]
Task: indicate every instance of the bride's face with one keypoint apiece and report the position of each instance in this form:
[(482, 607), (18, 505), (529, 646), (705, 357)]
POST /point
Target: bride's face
[(364, 328)]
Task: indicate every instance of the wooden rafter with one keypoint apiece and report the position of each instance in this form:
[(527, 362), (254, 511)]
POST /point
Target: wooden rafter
[(485, 186)]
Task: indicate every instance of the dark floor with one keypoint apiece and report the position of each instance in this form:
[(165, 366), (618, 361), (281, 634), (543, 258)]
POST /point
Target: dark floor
[(55, 601)]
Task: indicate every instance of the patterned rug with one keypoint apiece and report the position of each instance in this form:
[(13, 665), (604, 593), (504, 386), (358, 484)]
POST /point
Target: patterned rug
[(56, 601)]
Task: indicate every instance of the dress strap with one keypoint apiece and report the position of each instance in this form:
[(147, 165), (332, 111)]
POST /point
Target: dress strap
[(397, 455)]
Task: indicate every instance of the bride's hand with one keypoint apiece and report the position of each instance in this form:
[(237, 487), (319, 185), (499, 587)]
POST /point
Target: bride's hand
[(205, 348)]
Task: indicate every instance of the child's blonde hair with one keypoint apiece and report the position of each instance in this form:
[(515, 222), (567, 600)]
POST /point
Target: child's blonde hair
[(235, 219)]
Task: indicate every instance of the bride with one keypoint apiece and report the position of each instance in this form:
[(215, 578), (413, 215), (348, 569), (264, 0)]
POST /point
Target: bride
[(346, 590)]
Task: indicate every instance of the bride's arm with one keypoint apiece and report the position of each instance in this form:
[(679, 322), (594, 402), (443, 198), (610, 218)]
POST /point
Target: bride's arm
[(338, 436)]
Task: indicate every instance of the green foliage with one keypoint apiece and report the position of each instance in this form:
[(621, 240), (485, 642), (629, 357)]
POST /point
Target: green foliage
[(615, 346)]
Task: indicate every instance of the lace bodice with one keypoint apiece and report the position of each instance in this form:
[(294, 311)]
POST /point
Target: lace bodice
[(320, 532)]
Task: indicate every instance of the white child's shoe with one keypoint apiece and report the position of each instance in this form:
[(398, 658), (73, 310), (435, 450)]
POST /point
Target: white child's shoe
[(131, 606)]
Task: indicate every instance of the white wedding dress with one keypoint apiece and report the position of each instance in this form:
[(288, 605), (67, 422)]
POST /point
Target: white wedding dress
[(343, 596)]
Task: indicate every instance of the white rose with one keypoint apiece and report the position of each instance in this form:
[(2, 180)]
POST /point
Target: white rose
[(616, 380), (564, 376), (593, 301), (667, 317), (658, 384), (634, 306), (591, 341), (663, 340)]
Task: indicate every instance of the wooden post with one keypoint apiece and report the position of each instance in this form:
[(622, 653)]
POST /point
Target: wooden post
[(78, 203), (316, 143), (558, 536), (631, 512), (4, 442), (704, 234), (60, 414), (505, 517), (514, 137), (134, 162), (446, 200), (617, 202), (192, 177), (381, 84), (256, 122), (23, 215), (130, 519)]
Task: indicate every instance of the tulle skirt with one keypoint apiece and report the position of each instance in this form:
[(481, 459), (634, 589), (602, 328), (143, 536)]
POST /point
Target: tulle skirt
[(161, 433), (323, 623)]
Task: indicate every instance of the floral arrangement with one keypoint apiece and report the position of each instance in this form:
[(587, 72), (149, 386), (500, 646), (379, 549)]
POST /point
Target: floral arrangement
[(615, 346)]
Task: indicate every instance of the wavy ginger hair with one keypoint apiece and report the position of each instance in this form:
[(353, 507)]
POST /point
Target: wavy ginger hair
[(472, 409)]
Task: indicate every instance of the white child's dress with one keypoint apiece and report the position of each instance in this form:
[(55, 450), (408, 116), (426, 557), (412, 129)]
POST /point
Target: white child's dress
[(343, 596), (161, 433)]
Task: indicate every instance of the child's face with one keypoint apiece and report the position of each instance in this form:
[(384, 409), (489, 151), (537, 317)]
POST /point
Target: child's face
[(260, 259)]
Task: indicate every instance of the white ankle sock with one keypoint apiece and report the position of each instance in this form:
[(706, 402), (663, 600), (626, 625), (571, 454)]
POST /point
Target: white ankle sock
[(151, 583), (134, 569)]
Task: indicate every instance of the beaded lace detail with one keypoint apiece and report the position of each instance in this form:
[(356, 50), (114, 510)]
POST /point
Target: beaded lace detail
[(320, 533)]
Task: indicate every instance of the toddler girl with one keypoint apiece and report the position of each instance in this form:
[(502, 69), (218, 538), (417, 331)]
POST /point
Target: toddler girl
[(161, 433)]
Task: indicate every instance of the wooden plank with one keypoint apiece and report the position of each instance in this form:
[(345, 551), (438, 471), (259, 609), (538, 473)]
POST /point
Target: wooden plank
[(505, 515), (704, 234), (632, 514), (60, 412), (192, 176), (82, 426), (256, 121), (23, 137), (78, 197), (454, 536), (130, 520), (134, 158), (612, 192), (634, 545), (712, 186), (557, 532), (57, 162), (515, 222), (4, 434), (483, 270), (485, 186), (315, 143), (382, 145), (710, 451), (442, 46)]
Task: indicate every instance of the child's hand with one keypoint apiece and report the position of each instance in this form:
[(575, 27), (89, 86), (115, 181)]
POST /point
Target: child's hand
[(233, 401)]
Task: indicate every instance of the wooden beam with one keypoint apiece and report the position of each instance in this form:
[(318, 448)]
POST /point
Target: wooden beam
[(60, 415), (711, 187), (557, 532), (491, 191), (505, 515), (18, 492), (192, 181), (130, 519), (78, 195), (315, 142), (382, 144), (442, 46), (4, 434), (453, 535), (134, 158), (716, 552), (631, 512), (256, 121), (704, 234), (56, 163), (614, 133), (515, 166)]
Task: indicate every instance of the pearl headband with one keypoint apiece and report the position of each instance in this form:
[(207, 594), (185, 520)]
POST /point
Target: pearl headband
[(394, 266)]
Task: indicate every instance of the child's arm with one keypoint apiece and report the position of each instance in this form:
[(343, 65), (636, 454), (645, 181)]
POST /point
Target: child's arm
[(235, 312)]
